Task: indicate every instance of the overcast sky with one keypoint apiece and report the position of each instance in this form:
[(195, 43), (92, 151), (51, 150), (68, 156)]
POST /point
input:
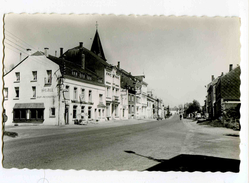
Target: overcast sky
[(178, 55)]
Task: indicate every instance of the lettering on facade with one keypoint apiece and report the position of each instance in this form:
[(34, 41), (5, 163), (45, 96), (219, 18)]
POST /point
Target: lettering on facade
[(47, 90)]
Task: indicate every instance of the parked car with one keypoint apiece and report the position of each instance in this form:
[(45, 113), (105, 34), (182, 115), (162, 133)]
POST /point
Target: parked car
[(198, 116)]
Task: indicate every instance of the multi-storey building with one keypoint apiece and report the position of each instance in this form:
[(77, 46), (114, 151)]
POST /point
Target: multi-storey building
[(128, 92), (31, 92), (228, 92), (141, 97)]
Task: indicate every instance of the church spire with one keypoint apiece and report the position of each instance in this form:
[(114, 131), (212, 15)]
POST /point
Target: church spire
[(96, 45)]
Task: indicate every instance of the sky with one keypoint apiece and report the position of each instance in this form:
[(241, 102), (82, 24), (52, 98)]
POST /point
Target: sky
[(178, 55)]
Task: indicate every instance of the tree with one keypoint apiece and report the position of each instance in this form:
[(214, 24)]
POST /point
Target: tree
[(193, 107)]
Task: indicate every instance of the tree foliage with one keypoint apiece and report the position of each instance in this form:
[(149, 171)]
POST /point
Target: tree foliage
[(193, 107)]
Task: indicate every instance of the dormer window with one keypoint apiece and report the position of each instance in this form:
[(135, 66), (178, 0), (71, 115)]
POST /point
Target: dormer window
[(74, 73), (18, 77), (89, 77)]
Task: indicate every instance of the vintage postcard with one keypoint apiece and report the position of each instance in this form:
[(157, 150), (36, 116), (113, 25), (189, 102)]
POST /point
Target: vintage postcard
[(125, 93)]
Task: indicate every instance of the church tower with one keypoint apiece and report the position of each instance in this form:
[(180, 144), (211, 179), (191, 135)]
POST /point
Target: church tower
[(96, 45)]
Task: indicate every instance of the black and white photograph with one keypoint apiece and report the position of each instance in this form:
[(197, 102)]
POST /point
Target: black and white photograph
[(136, 93), (107, 91)]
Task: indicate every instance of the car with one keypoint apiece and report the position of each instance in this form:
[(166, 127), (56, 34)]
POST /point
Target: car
[(198, 116)]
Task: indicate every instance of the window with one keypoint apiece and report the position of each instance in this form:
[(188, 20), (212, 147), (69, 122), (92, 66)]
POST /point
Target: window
[(82, 95), (89, 112), (34, 75), (17, 92), (103, 112), (99, 112), (75, 92), (67, 92), (129, 109), (82, 112), (6, 93), (52, 112), (133, 108), (100, 98), (132, 98), (48, 80), (90, 96), (89, 77), (33, 92), (17, 76), (75, 73), (74, 111)]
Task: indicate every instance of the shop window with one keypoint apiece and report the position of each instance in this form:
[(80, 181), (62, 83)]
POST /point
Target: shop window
[(33, 114), (40, 114), (52, 112), (74, 111), (34, 73)]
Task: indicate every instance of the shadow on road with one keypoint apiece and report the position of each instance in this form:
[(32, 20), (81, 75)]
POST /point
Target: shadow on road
[(191, 163)]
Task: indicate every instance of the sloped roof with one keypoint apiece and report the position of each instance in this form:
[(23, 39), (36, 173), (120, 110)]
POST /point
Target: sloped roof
[(97, 46), (230, 85), (213, 82), (38, 53), (69, 66), (73, 55)]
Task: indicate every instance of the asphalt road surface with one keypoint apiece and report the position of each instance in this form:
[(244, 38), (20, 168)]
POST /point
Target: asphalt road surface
[(167, 145)]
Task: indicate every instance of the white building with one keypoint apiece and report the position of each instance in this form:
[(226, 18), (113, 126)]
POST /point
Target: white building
[(112, 82), (32, 92)]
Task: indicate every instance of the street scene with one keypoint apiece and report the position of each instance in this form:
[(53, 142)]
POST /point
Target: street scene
[(166, 145), (136, 93)]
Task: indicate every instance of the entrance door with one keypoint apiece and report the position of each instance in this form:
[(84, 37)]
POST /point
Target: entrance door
[(66, 115)]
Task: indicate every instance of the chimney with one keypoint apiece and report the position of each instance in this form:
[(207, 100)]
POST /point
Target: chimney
[(230, 67), (29, 51), (61, 52), (212, 77), (222, 74), (20, 56), (81, 44), (55, 54), (118, 64), (46, 51)]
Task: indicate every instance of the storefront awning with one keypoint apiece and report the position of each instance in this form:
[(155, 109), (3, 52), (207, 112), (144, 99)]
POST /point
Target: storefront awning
[(29, 106)]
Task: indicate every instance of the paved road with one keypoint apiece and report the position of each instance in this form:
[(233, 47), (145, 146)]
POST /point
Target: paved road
[(155, 146)]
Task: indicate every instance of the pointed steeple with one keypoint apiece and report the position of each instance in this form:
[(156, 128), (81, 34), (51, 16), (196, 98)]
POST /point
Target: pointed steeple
[(96, 46)]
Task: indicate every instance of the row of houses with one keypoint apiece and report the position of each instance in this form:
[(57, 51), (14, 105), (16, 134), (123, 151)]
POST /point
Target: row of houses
[(78, 85), (223, 93)]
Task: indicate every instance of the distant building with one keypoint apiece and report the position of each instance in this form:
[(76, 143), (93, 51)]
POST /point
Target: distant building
[(223, 93), (228, 91), (128, 90)]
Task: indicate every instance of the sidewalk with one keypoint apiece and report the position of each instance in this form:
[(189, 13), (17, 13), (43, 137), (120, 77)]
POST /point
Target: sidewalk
[(29, 131)]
